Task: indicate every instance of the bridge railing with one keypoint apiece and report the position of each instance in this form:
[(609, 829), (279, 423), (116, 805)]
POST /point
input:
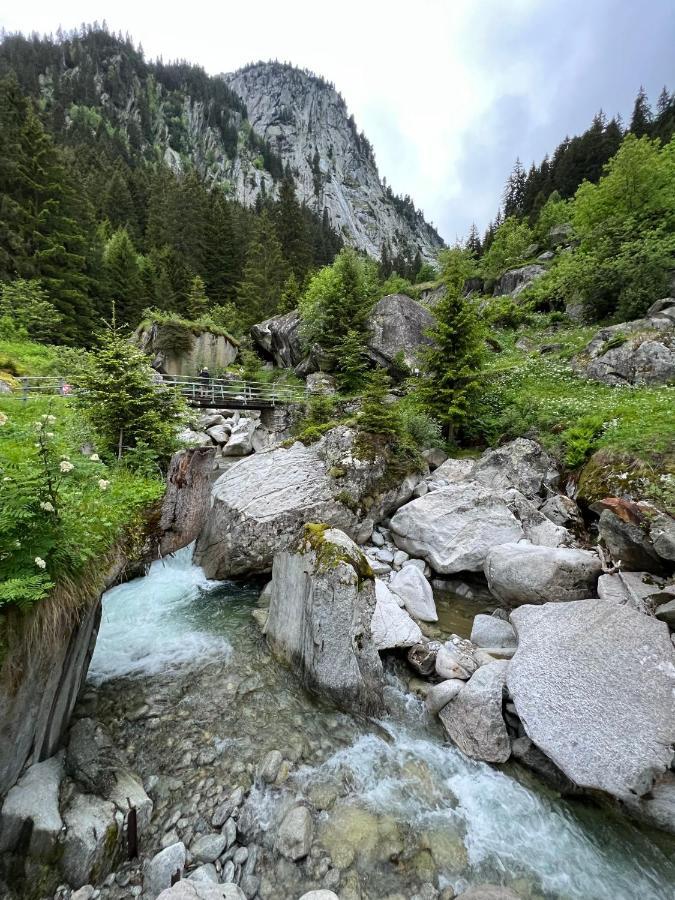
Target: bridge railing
[(216, 391)]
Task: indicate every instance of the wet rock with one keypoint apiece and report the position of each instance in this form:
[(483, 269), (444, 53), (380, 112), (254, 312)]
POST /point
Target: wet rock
[(294, 838), (488, 892), (474, 720), (531, 756), (269, 767), (422, 657), (666, 613), (84, 893), (186, 500), (521, 464), (527, 573), (397, 324), (593, 683), (230, 832), (415, 591), (159, 871), (391, 626), (91, 757), (208, 847), (492, 631), (323, 600), (91, 843), (439, 695)]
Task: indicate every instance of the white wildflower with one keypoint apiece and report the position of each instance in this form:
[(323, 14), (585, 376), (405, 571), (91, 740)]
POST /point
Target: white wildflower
[(47, 506), (40, 563), (3, 418), (66, 466), (38, 426), (103, 484), (49, 434), (95, 457), (51, 419)]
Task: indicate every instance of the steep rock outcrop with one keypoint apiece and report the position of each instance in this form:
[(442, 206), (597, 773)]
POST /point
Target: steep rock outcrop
[(398, 325), (307, 123), (515, 281), (321, 606), (186, 501)]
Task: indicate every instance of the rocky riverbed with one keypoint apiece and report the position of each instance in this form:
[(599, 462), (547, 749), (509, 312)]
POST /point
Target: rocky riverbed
[(256, 782)]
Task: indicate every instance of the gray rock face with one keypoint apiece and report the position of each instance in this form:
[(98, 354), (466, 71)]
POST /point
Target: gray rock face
[(515, 281), (391, 626), (474, 720), (492, 631), (521, 464), (321, 608), (308, 125), (528, 573), (629, 542), (593, 684), (208, 847), (260, 504), (91, 758), (161, 868), (34, 803), (638, 352), (279, 337), (91, 844), (398, 324), (454, 527), (439, 695), (562, 510), (294, 838), (240, 442), (639, 590), (415, 591), (186, 500)]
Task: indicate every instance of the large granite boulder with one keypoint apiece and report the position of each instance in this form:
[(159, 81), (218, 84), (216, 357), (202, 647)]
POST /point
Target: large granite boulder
[(639, 590), (260, 504), (321, 608), (191, 889), (593, 683), (391, 626), (415, 591), (398, 325), (638, 352), (454, 527), (280, 338), (521, 464), (637, 534), (515, 281), (529, 573), (92, 843), (473, 719)]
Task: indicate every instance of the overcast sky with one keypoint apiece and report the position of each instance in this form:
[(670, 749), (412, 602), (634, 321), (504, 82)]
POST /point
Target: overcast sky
[(449, 92)]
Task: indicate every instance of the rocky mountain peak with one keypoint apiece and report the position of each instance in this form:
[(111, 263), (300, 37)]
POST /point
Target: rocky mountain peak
[(306, 122)]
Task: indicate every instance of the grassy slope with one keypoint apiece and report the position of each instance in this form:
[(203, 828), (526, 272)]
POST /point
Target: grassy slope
[(538, 394)]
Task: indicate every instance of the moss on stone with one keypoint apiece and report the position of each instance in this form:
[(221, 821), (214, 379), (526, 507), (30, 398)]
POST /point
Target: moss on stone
[(330, 555)]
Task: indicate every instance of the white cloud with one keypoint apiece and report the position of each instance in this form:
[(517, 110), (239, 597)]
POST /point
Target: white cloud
[(448, 91)]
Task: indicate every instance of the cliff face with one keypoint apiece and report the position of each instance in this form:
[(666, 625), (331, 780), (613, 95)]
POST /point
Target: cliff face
[(306, 122)]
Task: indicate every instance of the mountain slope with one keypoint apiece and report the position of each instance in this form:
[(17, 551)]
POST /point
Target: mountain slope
[(306, 122)]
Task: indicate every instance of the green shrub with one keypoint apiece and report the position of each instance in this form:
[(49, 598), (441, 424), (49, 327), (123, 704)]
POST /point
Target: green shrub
[(174, 338)]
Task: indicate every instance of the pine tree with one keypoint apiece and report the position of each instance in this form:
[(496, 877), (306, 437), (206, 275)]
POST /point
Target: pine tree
[(264, 275), (451, 364), (514, 192), (376, 415), (473, 244), (292, 230), (641, 120), (197, 302), (290, 295), (351, 361), (124, 287)]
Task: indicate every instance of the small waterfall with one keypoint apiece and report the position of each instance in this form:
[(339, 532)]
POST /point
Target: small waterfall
[(153, 624)]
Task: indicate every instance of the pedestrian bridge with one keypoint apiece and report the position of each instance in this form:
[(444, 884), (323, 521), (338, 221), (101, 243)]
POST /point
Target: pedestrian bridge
[(213, 393)]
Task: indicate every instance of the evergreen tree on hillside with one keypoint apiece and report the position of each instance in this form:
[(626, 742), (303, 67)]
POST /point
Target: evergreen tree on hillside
[(473, 242), (197, 302), (223, 252), (124, 287), (264, 274), (514, 192), (641, 120), (451, 365), (292, 229)]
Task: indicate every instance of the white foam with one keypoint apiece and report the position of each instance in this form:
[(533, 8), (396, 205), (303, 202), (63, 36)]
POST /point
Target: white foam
[(506, 827), (152, 624)]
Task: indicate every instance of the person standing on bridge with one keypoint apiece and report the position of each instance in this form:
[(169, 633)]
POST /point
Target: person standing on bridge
[(205, 378)]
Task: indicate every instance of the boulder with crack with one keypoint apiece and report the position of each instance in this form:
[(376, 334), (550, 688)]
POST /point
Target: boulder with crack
[(397, 326), (593, 683), (529, 573), (321, 608), (391, 626), (474, 719), (521, 464)]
